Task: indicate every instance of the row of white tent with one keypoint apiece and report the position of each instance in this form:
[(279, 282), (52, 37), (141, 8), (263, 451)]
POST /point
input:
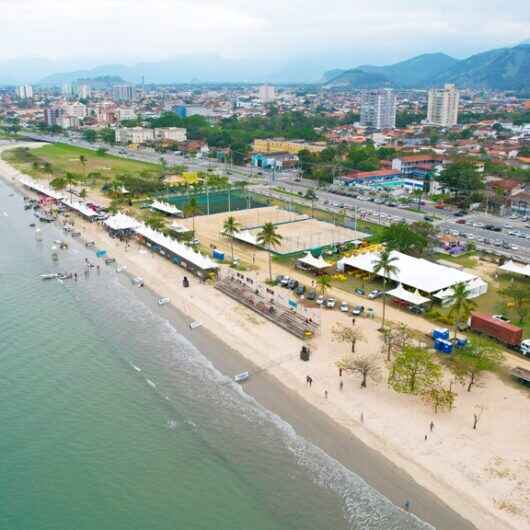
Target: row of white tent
[(516, 268)]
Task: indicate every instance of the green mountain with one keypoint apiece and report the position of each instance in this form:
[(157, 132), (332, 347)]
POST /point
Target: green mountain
[(502, 69), (357, 78)]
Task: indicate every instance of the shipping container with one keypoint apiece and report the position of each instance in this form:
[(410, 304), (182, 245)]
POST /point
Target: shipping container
[(492, 327)]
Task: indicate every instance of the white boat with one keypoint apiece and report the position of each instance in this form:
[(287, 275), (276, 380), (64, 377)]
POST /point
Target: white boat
[(50, 276), (163, 301), (243, 376)]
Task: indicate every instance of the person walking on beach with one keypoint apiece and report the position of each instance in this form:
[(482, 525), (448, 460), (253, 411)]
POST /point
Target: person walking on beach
[(340, 372), (407, 505), (362, 417), (341, 384), (309, 381), (431, 426), (326, 394)]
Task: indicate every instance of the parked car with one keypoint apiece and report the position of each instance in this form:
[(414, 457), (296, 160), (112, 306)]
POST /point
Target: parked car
[(344, 307), (311, 294), (330, 303), (279, 279), (428, 218), (300, 290), (293, 284), (417, 309), (460, 221), (358, 310), (376, 293), (320, 300), (285, 281), (360, 291)]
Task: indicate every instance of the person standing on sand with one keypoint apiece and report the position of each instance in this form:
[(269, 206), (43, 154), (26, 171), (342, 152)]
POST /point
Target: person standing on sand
[(308, 381), (340, 372), (341, 384), (326, 394), (407, 505), (431, 426)]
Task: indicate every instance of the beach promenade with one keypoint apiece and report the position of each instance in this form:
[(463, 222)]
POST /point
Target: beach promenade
[(483, 475)]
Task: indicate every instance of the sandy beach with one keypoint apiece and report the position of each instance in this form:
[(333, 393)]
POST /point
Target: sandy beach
[(483, 475)]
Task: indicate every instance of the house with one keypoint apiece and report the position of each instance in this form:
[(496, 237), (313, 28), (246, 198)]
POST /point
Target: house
[(408, 166), (274, 160)]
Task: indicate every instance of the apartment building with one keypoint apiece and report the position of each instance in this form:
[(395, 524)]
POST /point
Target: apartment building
[(142, 135), (378, 109), (126, 113), (24, 92), (76, 109), (123, 93), (173, 134), (281, 145), (267, 93), (442, 109), (84, 91)]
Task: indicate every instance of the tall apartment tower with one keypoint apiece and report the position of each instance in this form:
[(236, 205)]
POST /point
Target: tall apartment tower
[(84, 91), (378, 109), (267, 94), (123, 92), (24, 92), (442, 109)]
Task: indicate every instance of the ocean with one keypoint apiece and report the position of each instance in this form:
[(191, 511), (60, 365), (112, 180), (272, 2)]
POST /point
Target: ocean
[(112, 420)]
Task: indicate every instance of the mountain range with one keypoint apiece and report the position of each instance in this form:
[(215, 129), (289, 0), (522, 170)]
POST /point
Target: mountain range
[(500, 69)]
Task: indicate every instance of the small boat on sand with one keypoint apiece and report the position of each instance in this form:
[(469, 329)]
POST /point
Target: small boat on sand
[(240, 378), (163, 301), (49, 276)]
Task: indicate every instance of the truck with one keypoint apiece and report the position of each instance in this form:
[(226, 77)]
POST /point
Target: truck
[(498, 329)]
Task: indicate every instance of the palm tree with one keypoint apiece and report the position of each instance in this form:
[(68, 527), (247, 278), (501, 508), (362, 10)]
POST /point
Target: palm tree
[(323, 283), (230, 228), (462, 306), (385, 264), (48, 168), (83, 160), (191, 210), (269, 238), (70, 179)]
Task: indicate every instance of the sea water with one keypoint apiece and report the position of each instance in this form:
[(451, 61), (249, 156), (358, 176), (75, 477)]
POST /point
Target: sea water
[(111, 420)]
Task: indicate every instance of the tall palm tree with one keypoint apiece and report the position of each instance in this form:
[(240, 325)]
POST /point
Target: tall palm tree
[(462, 305), (70, 179), (385, 265), (191, 210), (323, 283), (230, 228), (83, 160), (270, 239)]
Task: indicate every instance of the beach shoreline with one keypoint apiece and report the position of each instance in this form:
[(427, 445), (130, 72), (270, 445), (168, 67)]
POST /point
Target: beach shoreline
[(276, 391)]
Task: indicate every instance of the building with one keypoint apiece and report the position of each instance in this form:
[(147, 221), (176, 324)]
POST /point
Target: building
[(126, 113), (24, 92), (185, 111), (76, 109), (275, 161), (417, 165), (442, 107), (67, 90), (123, 92), (267, 93), (84, 92), (134, 135), (173, 134), (378, 109), (281, 145), (53, 116)]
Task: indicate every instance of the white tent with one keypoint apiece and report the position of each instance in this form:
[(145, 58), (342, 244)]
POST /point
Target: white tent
[(412, 272), (120, 221), (166, 207), (247, 237), (41, 188), (80, 207), (412, 298), (179, 229), (515, 268), (315, 263)]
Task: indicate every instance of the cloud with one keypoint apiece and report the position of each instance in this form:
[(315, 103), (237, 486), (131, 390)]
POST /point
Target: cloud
[(135, 30)]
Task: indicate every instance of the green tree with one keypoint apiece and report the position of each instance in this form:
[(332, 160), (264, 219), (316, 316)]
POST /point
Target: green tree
[(414, 371), (58, 183), (269, 238), (155, 221), (48, 168), (402, 237), (323, 284), (108, 135), (479, 356), (385, 265), (517, 296), (231, 227), (192, 209), (462, 178), (462, 305), (83, 160), (89, 135), (439, 398), (70, 180)]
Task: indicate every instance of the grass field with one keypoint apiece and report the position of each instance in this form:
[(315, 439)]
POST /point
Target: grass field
[(66, 158)]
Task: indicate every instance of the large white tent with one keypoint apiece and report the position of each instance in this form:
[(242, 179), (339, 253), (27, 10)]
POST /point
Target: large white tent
[(515, 268), (166, 207), (408, 296), (120, 221), (41, 187), (417, 273), (314, 263), (80, 207)]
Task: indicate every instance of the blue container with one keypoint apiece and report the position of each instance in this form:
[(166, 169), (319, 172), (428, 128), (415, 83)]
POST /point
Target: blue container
[(443, 346), (440, 333), (461, 343), (101, 253), (217, 254)]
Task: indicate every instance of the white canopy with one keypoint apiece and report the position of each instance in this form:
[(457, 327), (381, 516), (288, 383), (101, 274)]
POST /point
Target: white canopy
[(120, 221), (247, 237), (315, 263), (515, 268), (80, 207), (183, 251), (413, 272), (180, 229), (166, 207), (41, 188), (474, 288), (412, 298)]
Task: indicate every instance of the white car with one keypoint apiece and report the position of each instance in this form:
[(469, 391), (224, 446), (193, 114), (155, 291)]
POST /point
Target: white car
[(344, 307), (478, 225), (330, 303), (320, 300)]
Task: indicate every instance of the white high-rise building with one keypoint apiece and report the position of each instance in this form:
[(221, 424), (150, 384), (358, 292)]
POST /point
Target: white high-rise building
[(267, 94), (24, 92), (84, 91), (123, 93), (442, 109), (378, 109)]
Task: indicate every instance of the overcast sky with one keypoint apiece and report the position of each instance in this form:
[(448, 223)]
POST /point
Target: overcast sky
[(376, 31)]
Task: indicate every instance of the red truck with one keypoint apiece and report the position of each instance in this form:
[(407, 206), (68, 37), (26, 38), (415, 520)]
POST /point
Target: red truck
[(498, 329)]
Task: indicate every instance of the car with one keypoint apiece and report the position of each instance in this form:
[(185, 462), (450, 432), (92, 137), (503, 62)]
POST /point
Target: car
[(358, 310), (311, 294), (501, 317), (279, 279), (360, 291), (506, 245), (514, 247), (471, 237), (428, 218), (459, 214), (497, 243), (330, 303), (460, 221), (481, 239), (284, 282), (417, 309), (293, 284), (300, 290), (478, 225), (376, 293), (344, 307), (320, 300)]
